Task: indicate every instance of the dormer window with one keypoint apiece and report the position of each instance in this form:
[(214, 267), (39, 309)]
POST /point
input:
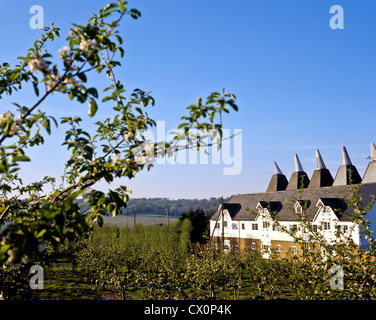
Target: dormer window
[(269, 208), (298, 207), (300, 204), (329, 205)]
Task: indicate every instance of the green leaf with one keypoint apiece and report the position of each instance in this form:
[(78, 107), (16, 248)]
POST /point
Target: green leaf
[(110, 207), (122, 6), (100, 221), (183, 125), (121, 51), (93, 92), (14, 76), (134, 13), (47, 125), (233, 105), (107, 98), (21, 158), (82, 76), (93, 107), (230, 95), (41, 233)]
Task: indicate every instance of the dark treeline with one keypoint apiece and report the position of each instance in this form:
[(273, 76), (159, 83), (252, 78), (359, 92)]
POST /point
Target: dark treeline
[(159, 205), (176, 207)]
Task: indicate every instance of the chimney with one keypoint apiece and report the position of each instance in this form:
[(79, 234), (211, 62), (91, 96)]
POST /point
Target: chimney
[(299, 178), (321, 176), (278, 181), (370, 174), (347, 173)]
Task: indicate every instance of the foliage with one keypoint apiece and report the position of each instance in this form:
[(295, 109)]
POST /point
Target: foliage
[(15, 283), (32, 219), (200, 224)]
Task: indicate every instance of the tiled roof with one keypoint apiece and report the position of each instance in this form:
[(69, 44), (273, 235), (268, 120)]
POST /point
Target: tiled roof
[(288, 199)]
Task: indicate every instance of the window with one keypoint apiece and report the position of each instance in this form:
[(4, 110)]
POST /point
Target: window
[(293, 250), (265, 247), (314, 227), (298, 209), (265, 224), (243, 226), (234, 226), (293, 227), (227, 245), (279, 248), (326, 225), (253, 246), (236, 247), (217, 225), (216, 246), (254, 226), (224, 224), (275, 227), (343, 228)]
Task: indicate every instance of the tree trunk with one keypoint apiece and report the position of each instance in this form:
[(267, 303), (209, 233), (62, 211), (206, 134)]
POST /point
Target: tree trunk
[(212, 292)]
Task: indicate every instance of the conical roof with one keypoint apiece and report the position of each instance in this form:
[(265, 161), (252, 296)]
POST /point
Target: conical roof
[(278, 181), (347, 173), (321, 176), (370, 174), (299, 179)]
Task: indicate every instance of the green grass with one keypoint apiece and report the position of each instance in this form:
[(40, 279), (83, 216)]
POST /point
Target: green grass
[(61, 283)]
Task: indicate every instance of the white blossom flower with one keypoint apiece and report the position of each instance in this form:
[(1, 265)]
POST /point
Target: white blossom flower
[(4, 117), (14, 129), (33, 65), (62, 52), (78, 158), (116, 158), (73, 82), (128, 136), (85, 45), (36, 65)]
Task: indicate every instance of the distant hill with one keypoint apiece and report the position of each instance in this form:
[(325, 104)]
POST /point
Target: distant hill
[(158, 206), (176, 207)]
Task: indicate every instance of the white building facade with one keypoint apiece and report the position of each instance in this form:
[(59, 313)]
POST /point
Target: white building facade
[(272, 220)]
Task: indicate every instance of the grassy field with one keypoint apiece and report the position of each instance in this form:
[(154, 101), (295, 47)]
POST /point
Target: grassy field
[(61, 283), (144, 219)]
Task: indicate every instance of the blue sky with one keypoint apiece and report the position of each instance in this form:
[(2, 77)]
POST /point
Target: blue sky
[(300, 85)]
